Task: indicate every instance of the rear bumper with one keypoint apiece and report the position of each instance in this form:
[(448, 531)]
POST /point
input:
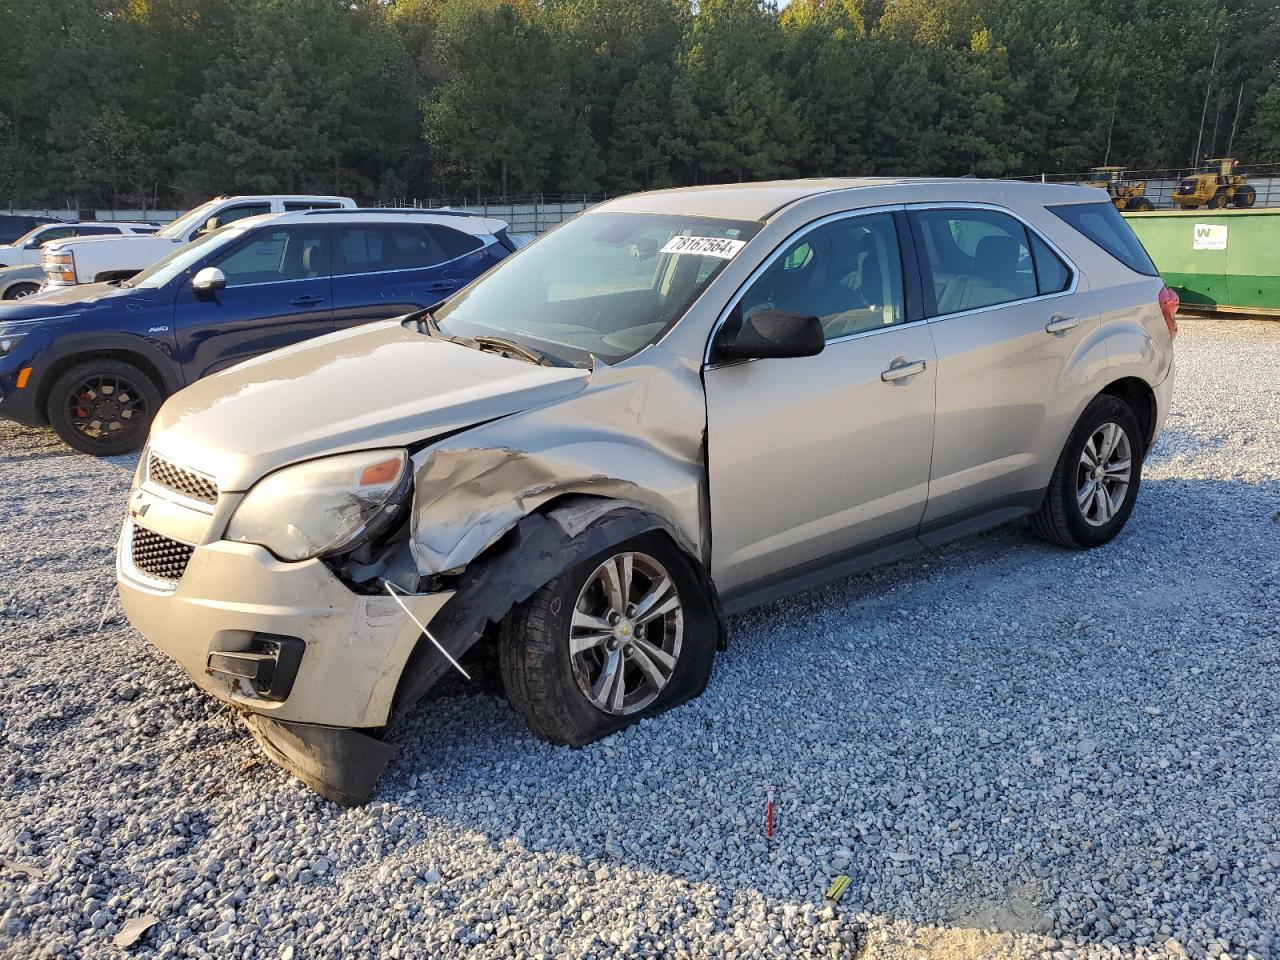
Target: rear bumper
[(235, 598)]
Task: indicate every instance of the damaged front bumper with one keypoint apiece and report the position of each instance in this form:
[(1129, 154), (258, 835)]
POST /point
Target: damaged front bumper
[(311, 661)]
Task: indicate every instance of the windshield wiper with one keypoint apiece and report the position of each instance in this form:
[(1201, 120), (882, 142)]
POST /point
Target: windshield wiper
[(510, 347)]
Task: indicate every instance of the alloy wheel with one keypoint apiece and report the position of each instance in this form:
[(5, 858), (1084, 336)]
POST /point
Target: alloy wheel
[(107, 408), (625, 633), (1103, 476)]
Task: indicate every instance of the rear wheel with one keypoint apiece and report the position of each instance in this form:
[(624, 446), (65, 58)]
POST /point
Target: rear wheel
[(20, 290), (627, 634), (103, 407), (1095, 482)]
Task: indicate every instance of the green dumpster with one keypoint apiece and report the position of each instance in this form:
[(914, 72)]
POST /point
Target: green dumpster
[(1216, 260)]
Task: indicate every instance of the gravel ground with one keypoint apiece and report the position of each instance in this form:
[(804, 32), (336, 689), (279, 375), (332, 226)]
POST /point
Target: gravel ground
[(1012, 750)]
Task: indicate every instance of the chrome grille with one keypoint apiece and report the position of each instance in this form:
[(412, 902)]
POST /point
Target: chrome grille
[(185, 482), (158, 556)]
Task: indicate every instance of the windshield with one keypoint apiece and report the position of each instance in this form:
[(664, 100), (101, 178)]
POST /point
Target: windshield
[(164, 270), (188, 220), (603, 284)]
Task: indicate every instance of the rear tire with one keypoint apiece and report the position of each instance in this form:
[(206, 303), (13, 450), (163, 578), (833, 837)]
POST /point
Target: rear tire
[(1245, 197), (103, 407), (20, 291), (1089, 497), (551, 687)]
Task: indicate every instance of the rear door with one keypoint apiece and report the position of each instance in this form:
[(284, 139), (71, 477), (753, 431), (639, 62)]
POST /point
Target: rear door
[(813, 458), (1005, 324), (277, 293), (385, 270)]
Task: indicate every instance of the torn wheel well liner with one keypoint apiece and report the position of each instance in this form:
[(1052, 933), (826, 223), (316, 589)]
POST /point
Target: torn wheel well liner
[(540, 547)]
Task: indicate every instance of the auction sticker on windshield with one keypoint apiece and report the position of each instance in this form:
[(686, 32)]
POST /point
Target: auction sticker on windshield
[(720, 247)]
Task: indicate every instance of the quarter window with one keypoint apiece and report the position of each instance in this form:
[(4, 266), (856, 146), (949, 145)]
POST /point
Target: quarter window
[(1052, 275), (847, 273), (452, 243), (975, 259), (267, 256)]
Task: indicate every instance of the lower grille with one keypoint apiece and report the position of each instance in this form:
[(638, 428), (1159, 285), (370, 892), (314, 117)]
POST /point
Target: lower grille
[(159, 556)]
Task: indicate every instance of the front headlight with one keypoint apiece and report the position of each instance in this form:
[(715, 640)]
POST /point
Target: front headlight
[(60, 259), (323, 506)]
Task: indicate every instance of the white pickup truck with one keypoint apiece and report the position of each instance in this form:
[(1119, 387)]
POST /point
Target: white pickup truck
[(27, 248), (85, 260)]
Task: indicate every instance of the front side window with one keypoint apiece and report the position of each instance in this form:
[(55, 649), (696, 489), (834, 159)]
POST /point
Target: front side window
[(95, 231), (974, 259), (271, 255), (232, 214), (847, 273), (311, 205), (41, 237), (602, 285), (184, 258)]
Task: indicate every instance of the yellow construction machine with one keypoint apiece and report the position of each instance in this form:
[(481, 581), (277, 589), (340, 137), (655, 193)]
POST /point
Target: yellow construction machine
[(1214, 185), (1125, 194)]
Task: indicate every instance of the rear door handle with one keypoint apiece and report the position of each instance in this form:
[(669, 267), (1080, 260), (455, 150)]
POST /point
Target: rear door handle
[(306, 301), (901, 369), (1060, 324)]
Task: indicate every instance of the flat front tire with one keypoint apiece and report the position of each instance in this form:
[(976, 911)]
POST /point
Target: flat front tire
[(626, 634), (103, 407), (1095, 481)]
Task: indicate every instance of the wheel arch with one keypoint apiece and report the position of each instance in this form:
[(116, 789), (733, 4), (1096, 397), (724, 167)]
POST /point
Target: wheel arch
[(127, 350), (548, 541), (1141, 399)]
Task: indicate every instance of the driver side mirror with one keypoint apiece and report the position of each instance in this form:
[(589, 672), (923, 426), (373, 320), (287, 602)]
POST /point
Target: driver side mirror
[(770, 334), (208, 280)]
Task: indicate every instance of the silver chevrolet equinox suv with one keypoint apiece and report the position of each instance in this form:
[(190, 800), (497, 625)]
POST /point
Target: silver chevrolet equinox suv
[(675, 406)]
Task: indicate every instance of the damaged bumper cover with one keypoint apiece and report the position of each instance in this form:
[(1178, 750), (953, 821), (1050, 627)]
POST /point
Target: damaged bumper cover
[(235, 603)]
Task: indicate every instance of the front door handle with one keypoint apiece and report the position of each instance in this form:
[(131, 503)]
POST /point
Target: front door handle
[(901, 369), (437, 285), (306, 301), (1061, 324)]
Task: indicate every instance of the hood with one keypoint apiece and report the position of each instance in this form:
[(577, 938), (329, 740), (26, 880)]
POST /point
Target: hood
[(61, 301), (379, 385)]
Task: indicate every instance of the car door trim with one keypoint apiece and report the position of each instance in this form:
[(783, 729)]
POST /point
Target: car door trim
[(777, 252), (911, 208)]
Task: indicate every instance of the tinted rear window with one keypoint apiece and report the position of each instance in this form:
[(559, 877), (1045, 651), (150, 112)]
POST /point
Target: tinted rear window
[(1102, 223)]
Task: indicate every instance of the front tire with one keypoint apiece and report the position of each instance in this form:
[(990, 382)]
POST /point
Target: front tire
[(20, 291), (103, 407), (1096, 479), (627, 634)]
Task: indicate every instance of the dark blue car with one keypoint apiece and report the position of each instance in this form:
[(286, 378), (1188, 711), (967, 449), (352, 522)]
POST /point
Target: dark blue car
[(96, 361)]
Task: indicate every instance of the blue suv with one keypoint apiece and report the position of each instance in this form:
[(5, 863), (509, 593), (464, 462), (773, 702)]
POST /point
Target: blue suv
[(96, 361)]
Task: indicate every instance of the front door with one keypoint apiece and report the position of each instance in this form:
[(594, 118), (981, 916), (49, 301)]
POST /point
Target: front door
[(277, 293), (813, 458)]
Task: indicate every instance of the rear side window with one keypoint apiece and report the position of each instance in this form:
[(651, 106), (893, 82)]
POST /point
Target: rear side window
[(374, 248), (975, 259), (1102, 223), (453, 243)]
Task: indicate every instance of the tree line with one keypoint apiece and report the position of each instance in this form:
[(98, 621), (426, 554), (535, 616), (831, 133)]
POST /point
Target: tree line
[(163, 102)]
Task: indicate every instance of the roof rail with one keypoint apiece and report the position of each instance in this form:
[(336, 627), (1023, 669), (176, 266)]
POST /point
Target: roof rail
[(403, 210)]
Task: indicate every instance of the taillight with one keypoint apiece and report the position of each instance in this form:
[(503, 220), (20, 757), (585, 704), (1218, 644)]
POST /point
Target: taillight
[(1169, 304)]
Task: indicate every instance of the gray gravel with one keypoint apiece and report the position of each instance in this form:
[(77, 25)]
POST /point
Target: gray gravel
[(1012, 751)]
